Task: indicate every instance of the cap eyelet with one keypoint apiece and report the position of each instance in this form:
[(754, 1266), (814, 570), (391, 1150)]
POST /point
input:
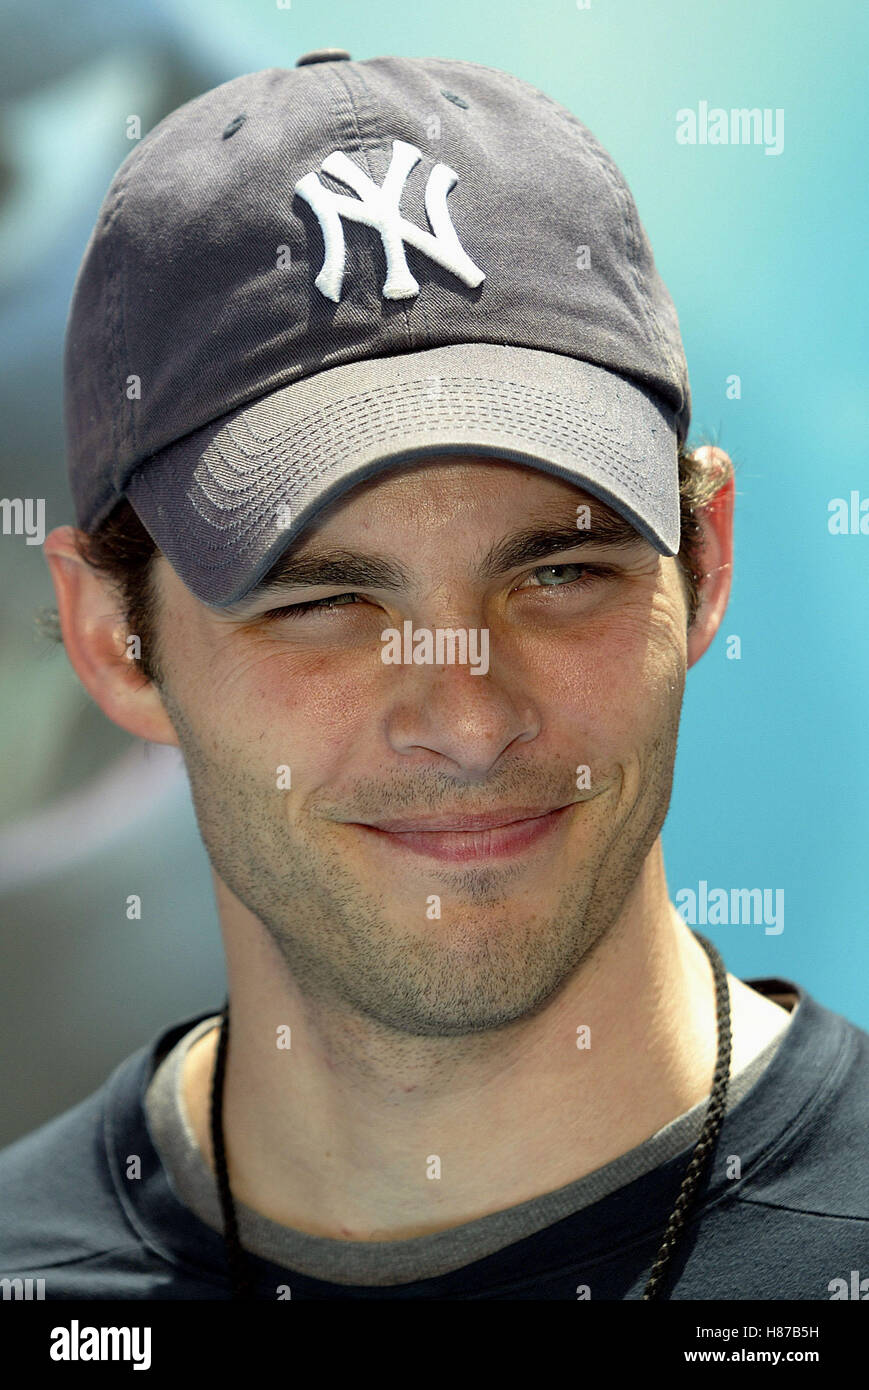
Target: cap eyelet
[(235, 124)]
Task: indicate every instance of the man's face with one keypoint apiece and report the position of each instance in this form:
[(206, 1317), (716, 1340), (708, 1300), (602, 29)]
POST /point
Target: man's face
[(586, 670)]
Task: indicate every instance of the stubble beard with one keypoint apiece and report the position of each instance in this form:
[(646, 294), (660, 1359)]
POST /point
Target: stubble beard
[(486, 963)]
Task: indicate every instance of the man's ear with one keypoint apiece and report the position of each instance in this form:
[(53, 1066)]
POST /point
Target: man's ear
[(94, 634), (716, 556)]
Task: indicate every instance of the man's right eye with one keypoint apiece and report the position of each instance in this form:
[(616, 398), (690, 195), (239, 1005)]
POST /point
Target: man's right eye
[(321, 605)]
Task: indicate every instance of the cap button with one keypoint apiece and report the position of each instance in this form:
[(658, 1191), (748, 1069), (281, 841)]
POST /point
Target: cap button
[(323, 55)]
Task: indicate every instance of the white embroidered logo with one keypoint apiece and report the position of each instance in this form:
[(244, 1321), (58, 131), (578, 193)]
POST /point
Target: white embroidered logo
[(378, 208)]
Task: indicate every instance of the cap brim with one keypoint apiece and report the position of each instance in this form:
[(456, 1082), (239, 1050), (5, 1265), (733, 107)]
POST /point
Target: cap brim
[(224, 502)]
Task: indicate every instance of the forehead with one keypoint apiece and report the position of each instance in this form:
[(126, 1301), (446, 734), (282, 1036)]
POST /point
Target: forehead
[(520, 514), (519, 518), (475, 479), (452, 492)]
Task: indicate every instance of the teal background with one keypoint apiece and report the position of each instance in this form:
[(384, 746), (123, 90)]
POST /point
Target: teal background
[(765, 259)]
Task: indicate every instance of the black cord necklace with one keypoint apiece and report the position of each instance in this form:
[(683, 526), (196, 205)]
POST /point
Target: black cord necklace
[(701, 1156)]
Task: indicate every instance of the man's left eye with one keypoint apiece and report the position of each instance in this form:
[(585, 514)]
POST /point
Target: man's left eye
[(587, 574)]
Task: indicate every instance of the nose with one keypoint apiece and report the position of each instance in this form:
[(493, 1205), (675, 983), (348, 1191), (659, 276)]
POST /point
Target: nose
[(471, 719)]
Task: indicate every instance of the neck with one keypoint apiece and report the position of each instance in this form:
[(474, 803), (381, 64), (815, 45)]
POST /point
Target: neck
[(360, 1133)]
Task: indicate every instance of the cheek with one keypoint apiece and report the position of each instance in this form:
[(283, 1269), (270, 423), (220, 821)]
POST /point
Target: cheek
[(304, 710), (614, 686), (326, 703)]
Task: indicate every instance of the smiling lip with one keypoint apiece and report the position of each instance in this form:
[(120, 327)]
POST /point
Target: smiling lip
[(484, 821), (491, 838)]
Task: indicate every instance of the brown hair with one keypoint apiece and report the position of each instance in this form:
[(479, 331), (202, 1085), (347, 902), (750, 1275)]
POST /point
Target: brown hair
[(122, 550)]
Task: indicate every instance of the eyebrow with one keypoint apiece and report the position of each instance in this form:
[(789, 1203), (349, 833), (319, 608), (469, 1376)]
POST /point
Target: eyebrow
[(339, 566)]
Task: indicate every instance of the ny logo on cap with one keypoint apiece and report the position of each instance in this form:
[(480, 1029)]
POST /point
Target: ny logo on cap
[(378, 208)]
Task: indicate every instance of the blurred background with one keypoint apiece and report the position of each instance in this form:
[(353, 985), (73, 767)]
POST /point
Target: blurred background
[(764, 255)]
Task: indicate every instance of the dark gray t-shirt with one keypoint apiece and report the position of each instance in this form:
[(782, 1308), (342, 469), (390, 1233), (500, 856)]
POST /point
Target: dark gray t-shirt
[(87, 1206), (421, 1257)]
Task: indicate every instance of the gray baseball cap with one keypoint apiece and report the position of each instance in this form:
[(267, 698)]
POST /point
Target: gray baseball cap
[(309, 275)]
